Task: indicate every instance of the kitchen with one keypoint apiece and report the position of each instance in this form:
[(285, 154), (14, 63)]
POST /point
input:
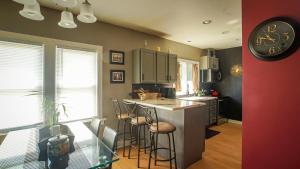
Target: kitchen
[(119, 74), (147, 84)]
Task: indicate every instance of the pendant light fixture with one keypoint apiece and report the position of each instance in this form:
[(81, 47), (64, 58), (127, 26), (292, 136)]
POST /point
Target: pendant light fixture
[(26, 2), (67, 20), (86, 13), (32, 12)]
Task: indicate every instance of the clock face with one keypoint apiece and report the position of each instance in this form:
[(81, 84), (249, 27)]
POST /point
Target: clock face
[(272, 39)]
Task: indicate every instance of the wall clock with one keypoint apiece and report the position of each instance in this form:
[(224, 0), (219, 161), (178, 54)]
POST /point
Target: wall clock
[(273, 39)]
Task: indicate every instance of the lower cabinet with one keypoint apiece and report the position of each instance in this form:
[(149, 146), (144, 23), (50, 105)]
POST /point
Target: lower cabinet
[(211, 110)]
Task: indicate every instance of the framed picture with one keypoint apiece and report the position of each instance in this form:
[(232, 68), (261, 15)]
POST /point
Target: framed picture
[(117, 57), (117, 76)]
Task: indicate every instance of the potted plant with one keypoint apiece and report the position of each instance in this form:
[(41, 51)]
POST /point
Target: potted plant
[(53, 111)]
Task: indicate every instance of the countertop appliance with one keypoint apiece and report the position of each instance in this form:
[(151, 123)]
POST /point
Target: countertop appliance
[(210, 75)]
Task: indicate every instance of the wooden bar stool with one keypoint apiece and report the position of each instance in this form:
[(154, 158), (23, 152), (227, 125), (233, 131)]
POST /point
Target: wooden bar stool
[(123, 111), (156, 128), (139, 122)]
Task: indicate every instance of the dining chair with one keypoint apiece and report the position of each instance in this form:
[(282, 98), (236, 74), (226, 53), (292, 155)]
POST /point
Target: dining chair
[(95, 126), (2, 137), (109, 139)]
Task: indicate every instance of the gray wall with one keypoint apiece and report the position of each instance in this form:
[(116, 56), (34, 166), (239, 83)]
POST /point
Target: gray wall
[(106, 35), (231, 85)]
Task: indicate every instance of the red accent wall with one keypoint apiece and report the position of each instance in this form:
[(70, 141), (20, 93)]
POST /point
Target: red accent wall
[(271, 95)]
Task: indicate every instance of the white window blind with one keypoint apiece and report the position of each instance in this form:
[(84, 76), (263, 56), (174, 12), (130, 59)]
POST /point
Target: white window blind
[(76, 83), (21, 84)]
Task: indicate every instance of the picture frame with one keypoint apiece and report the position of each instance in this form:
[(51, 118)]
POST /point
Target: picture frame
[(117, 57), (117, 76)]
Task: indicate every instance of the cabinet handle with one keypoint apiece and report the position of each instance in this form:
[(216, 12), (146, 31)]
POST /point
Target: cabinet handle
[(166, 77), (170, 77), (143, 76)]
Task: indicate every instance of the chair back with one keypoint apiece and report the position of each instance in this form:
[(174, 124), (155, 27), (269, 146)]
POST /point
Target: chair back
[(95, 126), (149, 113), (129, 108), (109, 138)]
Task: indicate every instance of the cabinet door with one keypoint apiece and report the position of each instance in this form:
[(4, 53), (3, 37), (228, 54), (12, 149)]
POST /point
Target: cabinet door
[(148, 66), (162, 67), (172, 68)]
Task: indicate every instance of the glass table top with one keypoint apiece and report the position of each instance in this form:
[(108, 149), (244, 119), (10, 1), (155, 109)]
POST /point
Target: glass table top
[(20, 149)]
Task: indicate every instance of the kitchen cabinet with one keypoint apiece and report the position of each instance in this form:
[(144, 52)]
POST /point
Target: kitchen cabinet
[(172, 68), (154, 67), (162, 67), (211, 110), (208, 62), (144, 66)]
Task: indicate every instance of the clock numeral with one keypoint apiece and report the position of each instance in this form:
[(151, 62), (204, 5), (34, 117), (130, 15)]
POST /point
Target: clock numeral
[(272, 50), (286, 35), (258, 41), (272, 28)]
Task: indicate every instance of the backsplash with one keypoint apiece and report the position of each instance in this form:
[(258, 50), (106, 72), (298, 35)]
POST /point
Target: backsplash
[(159, 88)]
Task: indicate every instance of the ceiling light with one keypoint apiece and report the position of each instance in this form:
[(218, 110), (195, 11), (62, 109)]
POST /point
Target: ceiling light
[(86, 13), (206, 22), (232, 22), (66, 3), (26, 2), (32, 12), (225, 32), (189, 41), (67, 20)]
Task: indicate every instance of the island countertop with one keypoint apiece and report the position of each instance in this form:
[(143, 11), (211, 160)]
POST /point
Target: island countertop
[(166, 104)]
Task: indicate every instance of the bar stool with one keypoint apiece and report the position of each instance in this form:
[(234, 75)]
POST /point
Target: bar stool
[(155, 128), (123, 112), (139, 122)]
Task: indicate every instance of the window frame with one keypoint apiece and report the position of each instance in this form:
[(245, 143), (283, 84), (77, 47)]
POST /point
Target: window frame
[(49, 64), (183, 93), (97, 75)]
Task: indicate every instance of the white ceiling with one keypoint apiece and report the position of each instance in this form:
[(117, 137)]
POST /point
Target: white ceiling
[(177, 20)]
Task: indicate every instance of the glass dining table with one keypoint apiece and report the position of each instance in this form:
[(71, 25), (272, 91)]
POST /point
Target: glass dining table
[(20, 150)]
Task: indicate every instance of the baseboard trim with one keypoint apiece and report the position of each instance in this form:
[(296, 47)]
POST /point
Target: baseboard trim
[(235, 122)]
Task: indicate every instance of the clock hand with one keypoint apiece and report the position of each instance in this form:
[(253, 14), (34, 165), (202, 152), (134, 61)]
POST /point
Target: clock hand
[(269, 38)]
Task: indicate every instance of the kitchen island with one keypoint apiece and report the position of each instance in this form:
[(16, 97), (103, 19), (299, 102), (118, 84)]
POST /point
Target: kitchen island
[(189, 119)]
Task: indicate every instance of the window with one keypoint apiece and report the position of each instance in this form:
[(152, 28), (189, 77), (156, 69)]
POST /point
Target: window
[(21, 82), (76, 83), (33, 68), (188, 80)]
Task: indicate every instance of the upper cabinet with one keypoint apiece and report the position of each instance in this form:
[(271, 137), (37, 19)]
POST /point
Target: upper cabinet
[(162, 74), (144, 66), (154, 67), (172, 68), (207, 62)]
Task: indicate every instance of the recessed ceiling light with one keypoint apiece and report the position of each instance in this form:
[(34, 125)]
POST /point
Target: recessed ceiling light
[(205, 22), (225, 32), (232, 22)]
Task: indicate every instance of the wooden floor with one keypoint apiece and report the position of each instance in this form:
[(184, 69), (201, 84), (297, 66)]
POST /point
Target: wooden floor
[(222, 152)]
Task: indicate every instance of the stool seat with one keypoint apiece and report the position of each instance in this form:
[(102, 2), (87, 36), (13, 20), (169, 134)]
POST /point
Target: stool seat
[(138, 121), (123, 116), (163, 127)]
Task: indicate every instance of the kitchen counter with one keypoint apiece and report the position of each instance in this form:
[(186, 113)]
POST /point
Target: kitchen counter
[(198, 98), (167, 104), (189, 118)]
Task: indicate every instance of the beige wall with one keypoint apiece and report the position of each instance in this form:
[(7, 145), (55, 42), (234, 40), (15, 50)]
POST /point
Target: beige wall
[(106, 35)]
